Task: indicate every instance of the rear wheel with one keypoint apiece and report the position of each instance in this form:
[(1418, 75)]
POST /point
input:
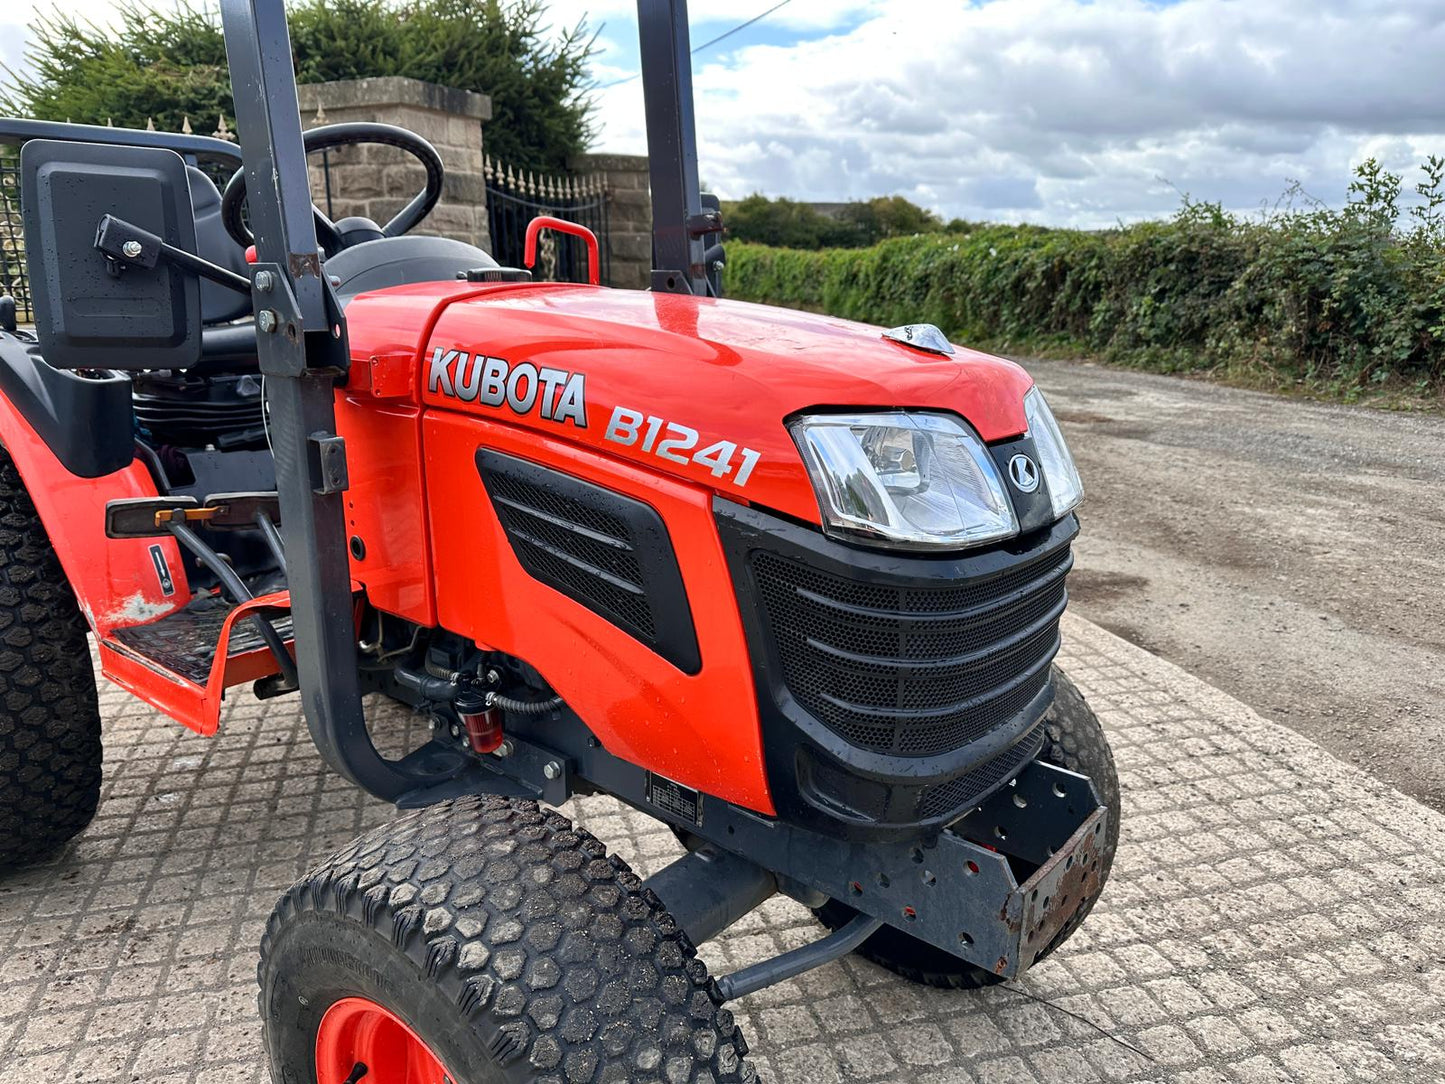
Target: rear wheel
[(485, 941), (1073, 740), (50, 751)]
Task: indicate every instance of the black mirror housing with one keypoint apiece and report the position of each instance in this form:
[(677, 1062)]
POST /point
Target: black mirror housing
[(92, 311)]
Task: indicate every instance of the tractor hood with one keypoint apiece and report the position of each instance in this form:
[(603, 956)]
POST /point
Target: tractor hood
[(697, 387)]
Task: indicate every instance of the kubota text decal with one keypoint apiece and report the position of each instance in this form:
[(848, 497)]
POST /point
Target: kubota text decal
[(561, 397), (557, 395)]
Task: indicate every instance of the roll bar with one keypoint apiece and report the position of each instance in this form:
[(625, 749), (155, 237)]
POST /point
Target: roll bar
[(304, 349), (680, 222), (300, 331)]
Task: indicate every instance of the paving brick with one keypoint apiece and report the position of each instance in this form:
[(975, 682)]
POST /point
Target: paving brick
[(1274, 916)]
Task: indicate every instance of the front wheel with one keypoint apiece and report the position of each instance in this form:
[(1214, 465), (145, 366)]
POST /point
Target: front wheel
[(1073, 739), (485, 941)]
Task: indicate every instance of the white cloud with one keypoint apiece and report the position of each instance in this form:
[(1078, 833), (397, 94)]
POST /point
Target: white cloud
[(1064, 111), (1070, 111), (16, 15)]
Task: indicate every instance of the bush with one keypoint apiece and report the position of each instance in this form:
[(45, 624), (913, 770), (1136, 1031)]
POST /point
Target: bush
[(166, 65), (1340, 299), (790, 224)]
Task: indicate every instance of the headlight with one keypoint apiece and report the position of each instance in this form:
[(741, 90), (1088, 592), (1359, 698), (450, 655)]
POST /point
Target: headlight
[(905, 480), (1066, 489)]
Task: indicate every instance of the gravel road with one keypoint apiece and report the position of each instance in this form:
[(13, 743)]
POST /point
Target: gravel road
[(1288, 552)]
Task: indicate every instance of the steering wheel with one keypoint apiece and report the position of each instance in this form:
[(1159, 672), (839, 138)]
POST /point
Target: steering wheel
[(348, 135)]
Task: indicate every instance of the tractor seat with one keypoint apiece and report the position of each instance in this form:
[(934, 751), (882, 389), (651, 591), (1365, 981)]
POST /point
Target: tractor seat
[(218, 304), (369, 262), (228, 347)]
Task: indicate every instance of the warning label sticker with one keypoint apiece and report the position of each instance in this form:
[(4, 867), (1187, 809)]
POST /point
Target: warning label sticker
[(684, 803)]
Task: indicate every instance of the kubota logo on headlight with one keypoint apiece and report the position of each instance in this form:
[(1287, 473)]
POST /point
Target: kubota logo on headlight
[(1024, 472)]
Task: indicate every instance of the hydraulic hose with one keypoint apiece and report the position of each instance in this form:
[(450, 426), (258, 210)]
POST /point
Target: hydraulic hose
[(523, 707), (426, 685), (440, 683)]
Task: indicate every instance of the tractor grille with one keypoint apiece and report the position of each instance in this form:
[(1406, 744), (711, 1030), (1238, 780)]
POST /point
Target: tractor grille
[(587, 550), (584, 548), (605, 550), (913, 670), (952, 796)]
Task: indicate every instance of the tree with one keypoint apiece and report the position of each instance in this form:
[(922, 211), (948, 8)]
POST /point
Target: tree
[(169, 65), (882, 217), (781, 222), (785, 223)]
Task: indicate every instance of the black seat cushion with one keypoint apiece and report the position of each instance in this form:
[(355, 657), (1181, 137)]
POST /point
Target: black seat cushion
[(218, 304)]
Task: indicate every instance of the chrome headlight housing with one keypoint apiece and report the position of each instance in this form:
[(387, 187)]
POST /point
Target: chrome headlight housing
[(910, 481), (1066, 488)]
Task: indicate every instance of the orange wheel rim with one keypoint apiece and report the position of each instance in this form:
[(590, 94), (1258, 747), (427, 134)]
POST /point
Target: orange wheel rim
[(361, 1042)]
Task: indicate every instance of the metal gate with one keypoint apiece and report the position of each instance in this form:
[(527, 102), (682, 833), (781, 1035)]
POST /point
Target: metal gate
[(515, 198), (13, 277)]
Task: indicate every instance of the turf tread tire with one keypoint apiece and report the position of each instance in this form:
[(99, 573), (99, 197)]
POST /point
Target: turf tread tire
[(539, 957), (1073, 739), (50, 746)]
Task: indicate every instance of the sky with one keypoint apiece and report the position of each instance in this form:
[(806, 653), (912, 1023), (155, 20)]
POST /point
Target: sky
[(1067, 112)]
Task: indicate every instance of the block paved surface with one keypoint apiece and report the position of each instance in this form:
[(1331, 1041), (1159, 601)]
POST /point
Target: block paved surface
[(1274, 915)]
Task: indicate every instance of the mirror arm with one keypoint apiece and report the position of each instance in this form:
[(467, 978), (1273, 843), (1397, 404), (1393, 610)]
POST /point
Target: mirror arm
[(126, 245)]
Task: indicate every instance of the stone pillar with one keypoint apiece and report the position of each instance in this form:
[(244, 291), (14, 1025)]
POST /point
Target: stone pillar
[(377, 181), (629, 215)]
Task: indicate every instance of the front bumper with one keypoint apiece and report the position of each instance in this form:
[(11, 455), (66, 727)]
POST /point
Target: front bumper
[(959, 893), (896, 692), (998, 889)]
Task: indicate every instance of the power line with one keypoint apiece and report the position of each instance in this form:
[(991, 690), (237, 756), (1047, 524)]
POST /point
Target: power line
[(708, 44), (741, 26)]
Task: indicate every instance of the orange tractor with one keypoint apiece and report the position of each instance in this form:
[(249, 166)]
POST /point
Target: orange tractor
[(788, 584)]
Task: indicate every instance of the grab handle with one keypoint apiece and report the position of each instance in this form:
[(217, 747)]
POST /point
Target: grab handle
[(561, 225)]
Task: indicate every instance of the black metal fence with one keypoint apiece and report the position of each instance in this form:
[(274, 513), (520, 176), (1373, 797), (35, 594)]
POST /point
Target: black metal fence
[(515, 198), (13, 277)]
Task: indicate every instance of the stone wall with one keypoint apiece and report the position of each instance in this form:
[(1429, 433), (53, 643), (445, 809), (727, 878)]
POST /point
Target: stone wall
[(629, 215), (377, 181)]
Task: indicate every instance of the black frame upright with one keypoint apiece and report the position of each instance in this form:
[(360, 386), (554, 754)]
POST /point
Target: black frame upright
[(680, 222), (303, 352), (302, 355)]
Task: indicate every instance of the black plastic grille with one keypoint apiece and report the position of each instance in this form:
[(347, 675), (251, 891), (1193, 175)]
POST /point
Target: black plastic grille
[(913, 670), (586, 549), (958, 794)]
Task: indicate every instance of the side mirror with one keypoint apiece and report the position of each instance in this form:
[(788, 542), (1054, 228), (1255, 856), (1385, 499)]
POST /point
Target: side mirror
[(92, 311)]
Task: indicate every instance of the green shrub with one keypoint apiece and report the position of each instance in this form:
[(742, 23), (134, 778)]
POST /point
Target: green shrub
[(1341, 299)]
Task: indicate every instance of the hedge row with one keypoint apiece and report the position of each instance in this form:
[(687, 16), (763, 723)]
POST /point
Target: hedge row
[(1344, 298)]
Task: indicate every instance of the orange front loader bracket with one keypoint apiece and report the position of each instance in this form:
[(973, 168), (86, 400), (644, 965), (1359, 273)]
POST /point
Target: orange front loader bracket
[(561, 225)]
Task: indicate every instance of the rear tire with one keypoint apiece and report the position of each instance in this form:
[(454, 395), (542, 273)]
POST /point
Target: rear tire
[(50, 752), (510, 944), (1073, 740)]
